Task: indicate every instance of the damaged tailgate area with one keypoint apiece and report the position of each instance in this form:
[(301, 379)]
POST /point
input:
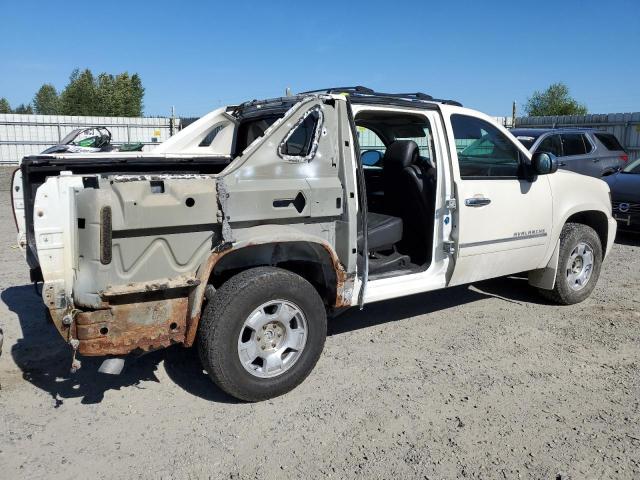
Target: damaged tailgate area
[(126, 256), (135, 244)]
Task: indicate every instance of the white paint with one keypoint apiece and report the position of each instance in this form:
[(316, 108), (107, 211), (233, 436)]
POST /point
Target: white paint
[(54, 220), (17, 197), (435, 277), (545, 204)]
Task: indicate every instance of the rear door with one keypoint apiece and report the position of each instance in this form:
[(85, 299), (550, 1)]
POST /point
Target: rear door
[(502, 220), (575, 155)]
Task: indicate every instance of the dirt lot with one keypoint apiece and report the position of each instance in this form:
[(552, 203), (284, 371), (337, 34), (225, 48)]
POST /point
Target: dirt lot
[(486, 381)]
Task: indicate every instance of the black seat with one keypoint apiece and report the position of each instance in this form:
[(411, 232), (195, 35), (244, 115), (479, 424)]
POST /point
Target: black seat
[(384, 232), (409, 193)]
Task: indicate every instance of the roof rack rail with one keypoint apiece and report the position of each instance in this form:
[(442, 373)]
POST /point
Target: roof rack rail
[(365, 91)]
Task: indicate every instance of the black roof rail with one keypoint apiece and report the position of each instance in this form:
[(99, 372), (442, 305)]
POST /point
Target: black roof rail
[(368, 92)]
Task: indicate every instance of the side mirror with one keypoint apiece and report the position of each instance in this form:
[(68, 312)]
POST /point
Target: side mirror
[(371, 157), (544, 163)]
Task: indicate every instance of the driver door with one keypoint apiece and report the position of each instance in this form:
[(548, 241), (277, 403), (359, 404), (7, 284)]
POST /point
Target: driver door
[(502, 221)]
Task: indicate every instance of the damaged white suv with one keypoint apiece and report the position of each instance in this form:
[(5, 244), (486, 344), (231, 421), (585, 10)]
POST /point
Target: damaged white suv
[(245, 230)]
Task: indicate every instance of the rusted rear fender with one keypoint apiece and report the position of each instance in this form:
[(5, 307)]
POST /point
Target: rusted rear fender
[(279, 237)]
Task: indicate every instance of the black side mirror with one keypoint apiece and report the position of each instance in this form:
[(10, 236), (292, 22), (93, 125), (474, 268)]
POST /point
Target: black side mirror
[(544, 163)]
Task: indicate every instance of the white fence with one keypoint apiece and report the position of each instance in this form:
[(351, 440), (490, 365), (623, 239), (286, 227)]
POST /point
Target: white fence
[(22, 135), (625, 126)]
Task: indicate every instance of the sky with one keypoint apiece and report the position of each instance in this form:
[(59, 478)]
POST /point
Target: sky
[(198, 55)]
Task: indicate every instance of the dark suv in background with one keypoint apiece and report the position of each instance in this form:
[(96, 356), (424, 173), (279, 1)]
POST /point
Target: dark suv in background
[(582, 150)]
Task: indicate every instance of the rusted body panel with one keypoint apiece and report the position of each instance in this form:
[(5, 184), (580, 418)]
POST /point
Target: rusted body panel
[(119, 329), (344, 282), (140, 250), (197, 295), (129, 321), (129, 327)]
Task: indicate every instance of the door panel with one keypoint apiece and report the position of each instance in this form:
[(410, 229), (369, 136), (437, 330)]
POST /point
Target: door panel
[(575, 156), (502, 222), (508, 235)]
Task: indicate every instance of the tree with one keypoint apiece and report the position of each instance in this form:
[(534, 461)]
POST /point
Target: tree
[(24, 109), (79, 96), (4, 105), (555, 100), (136, 104), (46, 101), (121, 95), (105, 95)]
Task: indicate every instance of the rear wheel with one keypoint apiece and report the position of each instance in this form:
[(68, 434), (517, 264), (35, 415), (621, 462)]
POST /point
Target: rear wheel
[(579, 263), (262, 333)]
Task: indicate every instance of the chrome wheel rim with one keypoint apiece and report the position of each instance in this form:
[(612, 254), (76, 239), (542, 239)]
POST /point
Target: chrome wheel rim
[(272, 338), (579, 266)]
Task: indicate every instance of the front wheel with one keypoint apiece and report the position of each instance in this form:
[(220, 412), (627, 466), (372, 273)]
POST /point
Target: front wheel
[(262, 333), (579, 263)]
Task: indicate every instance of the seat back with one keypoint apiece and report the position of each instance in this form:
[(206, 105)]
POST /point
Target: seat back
[(409, 193)]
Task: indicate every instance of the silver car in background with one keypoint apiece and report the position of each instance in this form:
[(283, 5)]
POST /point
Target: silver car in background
[(583, 150)]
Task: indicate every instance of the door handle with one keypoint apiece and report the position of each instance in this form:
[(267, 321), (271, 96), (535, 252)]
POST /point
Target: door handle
[(477, 201), (562, 164), (596, 160)]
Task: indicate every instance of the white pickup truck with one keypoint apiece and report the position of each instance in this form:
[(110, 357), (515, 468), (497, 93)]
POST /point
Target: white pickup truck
[(244, 231)]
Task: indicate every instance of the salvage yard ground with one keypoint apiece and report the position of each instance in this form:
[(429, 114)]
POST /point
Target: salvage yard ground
[(481, 381)]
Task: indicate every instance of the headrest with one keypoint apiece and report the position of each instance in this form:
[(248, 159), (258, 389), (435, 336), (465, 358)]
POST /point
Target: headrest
[(401, 154)]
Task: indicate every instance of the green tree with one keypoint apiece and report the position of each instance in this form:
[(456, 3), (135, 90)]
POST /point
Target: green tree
[(555, 100), (46, 101), (105, 95), (24, 109), (4, 105), (136, 97), (79, 96), (121, 95)]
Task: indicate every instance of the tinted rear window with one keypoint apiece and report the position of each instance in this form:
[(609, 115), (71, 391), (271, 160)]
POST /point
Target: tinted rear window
[(551, 144), (573, 144), (610, 141)]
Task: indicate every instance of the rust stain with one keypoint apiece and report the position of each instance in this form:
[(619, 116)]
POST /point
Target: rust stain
[(196, 297), (148, 325), (183, 281), (344, 289), (140, 326), (344, 281)]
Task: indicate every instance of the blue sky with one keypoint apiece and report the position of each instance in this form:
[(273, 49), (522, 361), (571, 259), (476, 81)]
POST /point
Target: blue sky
[(198, 55)]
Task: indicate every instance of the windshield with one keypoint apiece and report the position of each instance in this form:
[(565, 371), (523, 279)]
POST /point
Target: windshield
[(70, 136), (633, 167), (86, 137)]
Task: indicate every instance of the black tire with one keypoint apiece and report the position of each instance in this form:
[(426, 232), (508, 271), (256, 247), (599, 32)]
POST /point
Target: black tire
[(572, 234), (223, 318)]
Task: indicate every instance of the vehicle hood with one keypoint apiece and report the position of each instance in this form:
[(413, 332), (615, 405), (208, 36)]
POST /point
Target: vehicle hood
[(624, 186)]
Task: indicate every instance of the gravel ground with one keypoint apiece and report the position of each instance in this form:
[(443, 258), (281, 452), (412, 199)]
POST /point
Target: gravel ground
[(485, 381)]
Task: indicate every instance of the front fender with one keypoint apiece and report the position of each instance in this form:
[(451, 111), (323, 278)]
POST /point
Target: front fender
[(574, 195)]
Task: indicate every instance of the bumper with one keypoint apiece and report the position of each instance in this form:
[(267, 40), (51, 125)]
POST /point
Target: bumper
[(627, 222)]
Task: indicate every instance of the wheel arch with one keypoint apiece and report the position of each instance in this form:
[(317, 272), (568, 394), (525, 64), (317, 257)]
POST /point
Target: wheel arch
[(309, 257), (595, 219)]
